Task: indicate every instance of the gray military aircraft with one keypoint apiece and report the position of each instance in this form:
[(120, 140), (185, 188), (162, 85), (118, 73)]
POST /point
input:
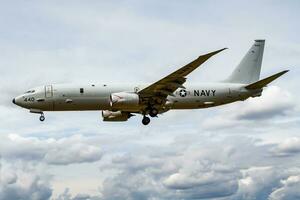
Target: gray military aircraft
[(120, 102)]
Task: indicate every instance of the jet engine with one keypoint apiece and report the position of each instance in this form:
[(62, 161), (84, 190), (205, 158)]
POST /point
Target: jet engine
[(115, 116), (124, 100)]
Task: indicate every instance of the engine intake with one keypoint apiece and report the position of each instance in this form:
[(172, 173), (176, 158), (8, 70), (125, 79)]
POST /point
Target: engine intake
[(124, 100)]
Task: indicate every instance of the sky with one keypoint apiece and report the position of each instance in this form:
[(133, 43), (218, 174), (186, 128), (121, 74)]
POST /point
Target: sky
[(246, 150)]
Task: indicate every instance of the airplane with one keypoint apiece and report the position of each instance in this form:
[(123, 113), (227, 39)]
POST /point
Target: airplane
[(119, 102)]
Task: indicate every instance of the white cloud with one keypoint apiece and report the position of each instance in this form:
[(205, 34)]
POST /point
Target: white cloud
[(22, 181), (289, 189), (216, 169), (257, 182), (62, 151), (67, 196), (275, 101), (208, 180), (288, 147)]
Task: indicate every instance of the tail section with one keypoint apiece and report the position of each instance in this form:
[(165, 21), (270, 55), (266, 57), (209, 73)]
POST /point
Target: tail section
[(264, 82), (248, 71)]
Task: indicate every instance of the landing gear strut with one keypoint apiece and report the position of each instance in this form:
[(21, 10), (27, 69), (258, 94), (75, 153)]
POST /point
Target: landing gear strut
[(42, 117), (146, 120), (153, 112)]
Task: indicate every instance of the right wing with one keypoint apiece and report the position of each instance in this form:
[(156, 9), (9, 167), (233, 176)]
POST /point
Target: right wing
[(169, 84)]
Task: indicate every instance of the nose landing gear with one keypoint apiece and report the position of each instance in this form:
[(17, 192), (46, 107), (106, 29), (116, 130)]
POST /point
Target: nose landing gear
[(42, 117)]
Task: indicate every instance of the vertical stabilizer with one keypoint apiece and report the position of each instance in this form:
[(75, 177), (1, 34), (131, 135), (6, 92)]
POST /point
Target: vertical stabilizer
[(248, 70)]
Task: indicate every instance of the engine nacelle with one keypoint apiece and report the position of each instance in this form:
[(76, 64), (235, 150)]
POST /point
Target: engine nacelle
[(124, 100), (115, 116)]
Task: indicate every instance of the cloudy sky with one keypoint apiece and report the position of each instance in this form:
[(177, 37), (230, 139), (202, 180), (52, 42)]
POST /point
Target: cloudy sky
[(246, 150)]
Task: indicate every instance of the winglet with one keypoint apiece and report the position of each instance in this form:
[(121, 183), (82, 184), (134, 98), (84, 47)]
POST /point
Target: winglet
[(262, 83)]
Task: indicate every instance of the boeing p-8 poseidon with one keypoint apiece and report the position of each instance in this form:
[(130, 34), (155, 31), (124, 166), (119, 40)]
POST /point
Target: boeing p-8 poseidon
[(119, 102)]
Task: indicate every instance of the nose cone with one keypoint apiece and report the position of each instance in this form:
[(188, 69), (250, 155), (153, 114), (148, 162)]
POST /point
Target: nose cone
[(14, 101)]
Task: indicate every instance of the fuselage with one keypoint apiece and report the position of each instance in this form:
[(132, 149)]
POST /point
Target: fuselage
[(73, 97)]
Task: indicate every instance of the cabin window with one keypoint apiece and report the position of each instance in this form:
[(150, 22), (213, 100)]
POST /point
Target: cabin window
[(81, 90)]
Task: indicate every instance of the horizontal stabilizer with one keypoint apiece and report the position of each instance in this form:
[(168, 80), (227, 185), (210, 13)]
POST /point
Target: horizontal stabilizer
[(262, 83)]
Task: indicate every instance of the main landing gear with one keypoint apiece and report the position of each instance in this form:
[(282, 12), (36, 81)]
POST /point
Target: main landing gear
[(146, 120), (153, 112)]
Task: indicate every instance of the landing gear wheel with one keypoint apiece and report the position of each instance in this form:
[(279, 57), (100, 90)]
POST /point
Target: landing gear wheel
[(153, 112), (42, 118), (146, 120)]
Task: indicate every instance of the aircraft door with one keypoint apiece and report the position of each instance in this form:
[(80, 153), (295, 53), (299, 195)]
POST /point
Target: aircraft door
[(48, 95), (48, 91)]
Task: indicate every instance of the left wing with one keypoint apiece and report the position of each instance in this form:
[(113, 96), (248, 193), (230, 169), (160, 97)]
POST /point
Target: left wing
[(264, 82), (169, 84)]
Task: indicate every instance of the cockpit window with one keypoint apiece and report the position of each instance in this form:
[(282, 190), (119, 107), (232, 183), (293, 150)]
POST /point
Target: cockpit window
[(30, 91)]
